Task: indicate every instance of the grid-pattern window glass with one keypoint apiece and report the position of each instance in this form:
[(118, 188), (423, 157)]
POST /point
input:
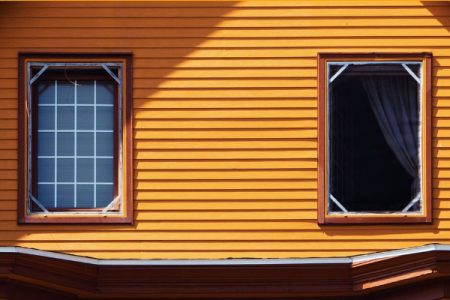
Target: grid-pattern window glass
[(75, 143)]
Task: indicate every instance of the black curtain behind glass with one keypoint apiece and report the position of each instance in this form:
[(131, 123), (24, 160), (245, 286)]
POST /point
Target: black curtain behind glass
[(373, 139)]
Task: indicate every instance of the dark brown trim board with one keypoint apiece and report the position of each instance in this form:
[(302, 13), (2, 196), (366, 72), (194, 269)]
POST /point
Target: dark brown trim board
[(423, 217), (399, 274), (25, 215)]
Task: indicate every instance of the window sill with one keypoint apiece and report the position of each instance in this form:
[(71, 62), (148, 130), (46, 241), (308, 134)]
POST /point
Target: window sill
[(64, 218), (373, 219)]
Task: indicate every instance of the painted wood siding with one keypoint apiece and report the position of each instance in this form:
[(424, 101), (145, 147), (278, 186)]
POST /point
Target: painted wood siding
[(225, 126)]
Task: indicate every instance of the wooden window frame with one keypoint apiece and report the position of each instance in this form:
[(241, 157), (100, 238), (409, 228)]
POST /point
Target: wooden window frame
[(426, 215), (123, 213)]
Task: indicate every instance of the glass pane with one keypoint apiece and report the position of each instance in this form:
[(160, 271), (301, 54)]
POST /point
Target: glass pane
[(85, 143), (105, 144), (104, 194), (65, 196), (65, 144), (65, 118), (46, 195), (46, 118), (105, 118), (85, 118), (373, 139), (66, 92), (46, 92), (86, 191), (65, 169), (46, 169), (364, 71), (333, 69), (85, 169), (104, 170), (105, 92), (46, 144), (85, 92), (85, 195)]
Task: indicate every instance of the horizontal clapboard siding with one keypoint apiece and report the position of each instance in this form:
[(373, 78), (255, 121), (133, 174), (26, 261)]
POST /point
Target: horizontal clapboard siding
[(225, 121)]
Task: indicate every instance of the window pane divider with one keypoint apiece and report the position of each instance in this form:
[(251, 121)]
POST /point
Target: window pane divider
[(70, 130), (95, 143), (72, 156), (56, 145), (75, 150), (78, 182), (80, 104)]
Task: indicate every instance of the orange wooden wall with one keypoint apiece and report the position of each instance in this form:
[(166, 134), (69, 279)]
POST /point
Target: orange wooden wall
[(225, 97)]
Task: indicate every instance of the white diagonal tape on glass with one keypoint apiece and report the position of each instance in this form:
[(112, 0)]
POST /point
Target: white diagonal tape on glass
[(338, 203)]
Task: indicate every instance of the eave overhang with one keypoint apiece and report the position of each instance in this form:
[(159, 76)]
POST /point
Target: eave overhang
[(355, 277)]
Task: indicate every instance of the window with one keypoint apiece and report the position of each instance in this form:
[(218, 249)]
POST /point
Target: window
[(374, 138), (75, 139)]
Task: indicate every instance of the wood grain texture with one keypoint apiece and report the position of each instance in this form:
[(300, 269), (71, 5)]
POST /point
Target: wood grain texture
[(225, 121)]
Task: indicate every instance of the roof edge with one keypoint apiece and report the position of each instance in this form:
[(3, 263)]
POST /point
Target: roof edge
[(231, 261)]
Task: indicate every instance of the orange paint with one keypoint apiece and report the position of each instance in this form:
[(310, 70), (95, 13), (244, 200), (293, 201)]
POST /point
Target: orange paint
[(225, 126)]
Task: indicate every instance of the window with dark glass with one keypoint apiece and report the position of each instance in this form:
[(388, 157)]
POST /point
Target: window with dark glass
[(75, 147), (374, 139)]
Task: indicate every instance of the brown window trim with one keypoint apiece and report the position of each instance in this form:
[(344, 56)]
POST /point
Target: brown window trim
[(426, 215), (125, 215)]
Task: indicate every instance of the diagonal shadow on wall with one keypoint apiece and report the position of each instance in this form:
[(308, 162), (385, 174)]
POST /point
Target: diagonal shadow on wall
[(164, 38)]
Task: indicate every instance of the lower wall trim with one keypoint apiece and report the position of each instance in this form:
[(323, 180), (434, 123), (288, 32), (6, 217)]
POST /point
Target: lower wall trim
[(373, 276)]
